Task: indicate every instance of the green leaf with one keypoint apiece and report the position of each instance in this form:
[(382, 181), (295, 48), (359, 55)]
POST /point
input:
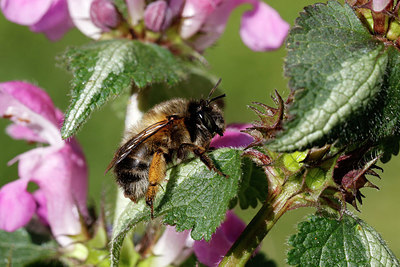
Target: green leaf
[(104, 69), (336, 69), (194, 198), (17, 248), (325, 241), (384, 120), (253, 186), (381, 121)]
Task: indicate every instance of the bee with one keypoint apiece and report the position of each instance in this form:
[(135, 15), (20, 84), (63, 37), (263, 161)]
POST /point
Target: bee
[(170, 130)]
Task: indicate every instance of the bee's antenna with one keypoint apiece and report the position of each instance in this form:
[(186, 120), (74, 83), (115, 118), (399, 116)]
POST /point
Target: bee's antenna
[(213, 90), (215, 98)]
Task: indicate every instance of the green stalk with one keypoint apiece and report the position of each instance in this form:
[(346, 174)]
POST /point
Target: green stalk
[(257, 229)]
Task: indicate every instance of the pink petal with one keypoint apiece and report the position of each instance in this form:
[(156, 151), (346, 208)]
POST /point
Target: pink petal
[(32, 97), (56, 22), (214, 25), (194, 14), (135, 10), (31, 107), (211, 253), (379, 5), (21, 132), (17, 206), (62, 178), (79, 11), (262, 29), (25, 12), (165, 253), (233, 137), (79, 181)]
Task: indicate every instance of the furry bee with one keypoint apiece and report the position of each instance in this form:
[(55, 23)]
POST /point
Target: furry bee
[(169, 130)]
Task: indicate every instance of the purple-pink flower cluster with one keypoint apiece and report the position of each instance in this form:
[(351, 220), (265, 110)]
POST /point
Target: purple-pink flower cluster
[(58, 169), (199, 22)]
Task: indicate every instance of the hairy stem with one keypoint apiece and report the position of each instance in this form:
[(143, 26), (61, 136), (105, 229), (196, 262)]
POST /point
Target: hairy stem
[(257, 229)]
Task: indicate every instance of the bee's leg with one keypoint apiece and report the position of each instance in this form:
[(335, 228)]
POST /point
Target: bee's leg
[(156, 174), (201, 153)]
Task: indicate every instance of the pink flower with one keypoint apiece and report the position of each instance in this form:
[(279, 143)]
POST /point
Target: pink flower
[(262, 29), (48, 16), (233, 137), (58, 169), (211, 253)]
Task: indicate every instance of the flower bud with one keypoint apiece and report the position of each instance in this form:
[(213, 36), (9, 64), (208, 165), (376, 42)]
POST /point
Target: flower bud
[(104, 15), (157, 16)]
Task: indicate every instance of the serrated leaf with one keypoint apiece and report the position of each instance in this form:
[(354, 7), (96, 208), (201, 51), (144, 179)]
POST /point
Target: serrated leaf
[(17, 249), (194, 198), (103, 69), (325, 241), (336, 69), (381, 122), (253, 186)]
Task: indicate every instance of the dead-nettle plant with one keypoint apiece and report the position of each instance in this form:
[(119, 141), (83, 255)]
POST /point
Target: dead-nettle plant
[(317, 148)]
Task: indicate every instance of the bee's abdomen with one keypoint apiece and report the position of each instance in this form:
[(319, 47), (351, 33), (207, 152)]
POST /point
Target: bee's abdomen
[(132, 176)]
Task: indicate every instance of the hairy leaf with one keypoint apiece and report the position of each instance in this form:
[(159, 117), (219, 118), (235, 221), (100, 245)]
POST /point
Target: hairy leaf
[(336, 69), (193, 198), (325, 241), (17, 248), (103, 69), (379, 125)]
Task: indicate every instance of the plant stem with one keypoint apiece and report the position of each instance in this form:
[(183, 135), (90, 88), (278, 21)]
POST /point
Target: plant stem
[(133, 115), (257, 229)]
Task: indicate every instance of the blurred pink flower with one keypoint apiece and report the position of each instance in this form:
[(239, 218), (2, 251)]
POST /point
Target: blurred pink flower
[(262, 29), (50, 17), (233, 137), (58, 169), (211, 253)]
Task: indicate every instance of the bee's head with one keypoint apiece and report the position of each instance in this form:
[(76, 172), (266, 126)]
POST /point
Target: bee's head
[(209, 114)]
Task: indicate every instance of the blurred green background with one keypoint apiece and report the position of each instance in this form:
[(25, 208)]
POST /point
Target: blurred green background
[(246, 76)]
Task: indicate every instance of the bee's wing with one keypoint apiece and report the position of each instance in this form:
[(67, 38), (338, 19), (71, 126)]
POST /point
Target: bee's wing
[(124, 150)]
